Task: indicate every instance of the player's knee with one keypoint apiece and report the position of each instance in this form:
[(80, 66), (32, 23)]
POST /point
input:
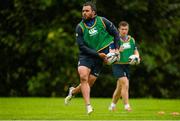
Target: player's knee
[(83, 77), (92, 79), (91, 83), (124, 82)]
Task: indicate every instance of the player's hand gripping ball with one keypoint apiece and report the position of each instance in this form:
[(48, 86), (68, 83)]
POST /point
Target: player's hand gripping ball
[(111, 57), (134, 60)]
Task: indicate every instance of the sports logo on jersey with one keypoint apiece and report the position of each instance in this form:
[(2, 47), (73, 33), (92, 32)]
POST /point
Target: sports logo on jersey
[(126, 45), (93, 31)]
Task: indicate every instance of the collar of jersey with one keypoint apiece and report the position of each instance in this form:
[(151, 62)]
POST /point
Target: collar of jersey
[(91, 22), (127, 40)]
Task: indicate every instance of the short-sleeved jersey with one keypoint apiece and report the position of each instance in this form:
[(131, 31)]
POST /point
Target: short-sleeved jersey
[(96, 37), (128, 49)]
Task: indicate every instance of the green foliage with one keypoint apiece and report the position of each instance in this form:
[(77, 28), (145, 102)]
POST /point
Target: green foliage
[(36, 49)]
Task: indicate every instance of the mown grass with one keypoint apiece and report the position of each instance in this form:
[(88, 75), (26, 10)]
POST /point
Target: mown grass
[(54, 109)]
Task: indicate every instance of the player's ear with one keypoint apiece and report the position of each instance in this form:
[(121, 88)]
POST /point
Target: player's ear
[(94, 13)]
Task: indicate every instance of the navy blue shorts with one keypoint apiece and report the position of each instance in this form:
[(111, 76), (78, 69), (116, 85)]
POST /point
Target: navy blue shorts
[(93, 63), (121, 70)]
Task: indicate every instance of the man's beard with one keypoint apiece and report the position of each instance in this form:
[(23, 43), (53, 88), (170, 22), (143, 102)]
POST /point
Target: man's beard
[(89, 18)]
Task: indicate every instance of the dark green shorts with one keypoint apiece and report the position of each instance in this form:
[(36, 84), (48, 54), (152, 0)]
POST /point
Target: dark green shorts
[(93, 63), (121, 70)]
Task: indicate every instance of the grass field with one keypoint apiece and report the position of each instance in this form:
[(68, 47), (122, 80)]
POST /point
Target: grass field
[(54, 109)]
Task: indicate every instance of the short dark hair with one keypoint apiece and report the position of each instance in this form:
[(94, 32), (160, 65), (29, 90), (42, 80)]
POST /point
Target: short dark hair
[(93, 6), (123, 23)]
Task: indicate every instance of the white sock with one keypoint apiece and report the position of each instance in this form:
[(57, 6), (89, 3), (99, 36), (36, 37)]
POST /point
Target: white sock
[(88, 105), (126, 106), (113, 104)]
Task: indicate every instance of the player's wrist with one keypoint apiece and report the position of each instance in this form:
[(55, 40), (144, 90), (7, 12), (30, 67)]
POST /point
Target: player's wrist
[(102, 55)]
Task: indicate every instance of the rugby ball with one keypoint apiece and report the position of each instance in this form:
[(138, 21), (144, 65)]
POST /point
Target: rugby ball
[(134, 60), (112, 57)]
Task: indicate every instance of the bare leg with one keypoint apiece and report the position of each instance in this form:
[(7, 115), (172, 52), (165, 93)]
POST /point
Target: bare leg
[(117, 93), (125, 93), (73, 91), (85, 76), (84, 73), (122, 90), (91, 81), (125, 90), (116, 96), (76, 90)]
